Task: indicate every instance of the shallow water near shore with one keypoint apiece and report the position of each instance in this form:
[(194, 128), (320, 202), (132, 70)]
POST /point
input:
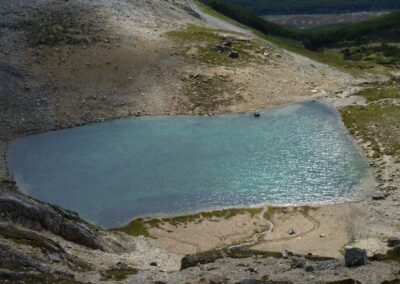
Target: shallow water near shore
[(112, 171)]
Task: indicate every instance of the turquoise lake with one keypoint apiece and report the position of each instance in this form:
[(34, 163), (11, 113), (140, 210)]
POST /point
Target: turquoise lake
[(113, 171)]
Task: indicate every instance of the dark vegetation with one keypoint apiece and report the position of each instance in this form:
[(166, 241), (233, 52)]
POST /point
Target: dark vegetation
[(211, 256), (282, 7), (381, 29)]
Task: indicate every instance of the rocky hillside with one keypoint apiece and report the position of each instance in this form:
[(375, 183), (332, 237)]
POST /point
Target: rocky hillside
[(67, 63)]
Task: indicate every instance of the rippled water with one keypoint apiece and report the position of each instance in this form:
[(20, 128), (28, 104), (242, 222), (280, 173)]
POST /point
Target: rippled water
[(112, 171)]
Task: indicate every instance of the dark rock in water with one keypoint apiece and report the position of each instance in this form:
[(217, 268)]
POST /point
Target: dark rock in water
[(355, 257), (257, 114), (392, 242), (378, 196), (233, 54)]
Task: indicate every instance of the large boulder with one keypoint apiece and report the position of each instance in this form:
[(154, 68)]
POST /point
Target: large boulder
[(355, 257)]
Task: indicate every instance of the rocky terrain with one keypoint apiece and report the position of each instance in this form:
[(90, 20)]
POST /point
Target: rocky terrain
[(67, 63)]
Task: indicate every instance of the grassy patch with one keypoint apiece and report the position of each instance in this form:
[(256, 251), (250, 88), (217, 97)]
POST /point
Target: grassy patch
[(194, 33), (136, 227), (379, 94), (206, 41), (207, 94), (210, 215), (140, 226), (377, 124)]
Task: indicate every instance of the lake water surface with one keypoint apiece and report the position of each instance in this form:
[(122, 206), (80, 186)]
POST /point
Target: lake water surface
[(112, 171)]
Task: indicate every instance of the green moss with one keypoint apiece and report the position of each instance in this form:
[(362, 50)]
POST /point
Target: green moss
[(210, 215), (374, 94), (193, 33), (136, 227)]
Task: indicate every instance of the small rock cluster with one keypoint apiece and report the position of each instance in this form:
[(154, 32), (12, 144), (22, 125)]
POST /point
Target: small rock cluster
[(226, 46)]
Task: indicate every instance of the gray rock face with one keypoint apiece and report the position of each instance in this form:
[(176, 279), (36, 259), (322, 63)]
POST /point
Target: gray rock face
[(38, 215), (355, 257)]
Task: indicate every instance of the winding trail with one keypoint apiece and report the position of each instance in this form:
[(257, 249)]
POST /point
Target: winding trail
[(255, 238)]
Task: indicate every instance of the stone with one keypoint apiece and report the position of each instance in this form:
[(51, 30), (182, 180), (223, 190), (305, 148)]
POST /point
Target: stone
[(309, 267), (219, 48), (252, 270), (122, 265), (298, 262), (287, 254), (257, 114), (291, 231), (233, 54), (355, 257), (227, 42), (378, 196), (393, 241), (153, 263)]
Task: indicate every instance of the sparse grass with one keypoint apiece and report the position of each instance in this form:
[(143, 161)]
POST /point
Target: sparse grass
[(207, 94), (140, 226), (193, 33), (209, 215), (377, 124), (375, 94), (118, 274), (377, 60), (136, 227), (205, 40)]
